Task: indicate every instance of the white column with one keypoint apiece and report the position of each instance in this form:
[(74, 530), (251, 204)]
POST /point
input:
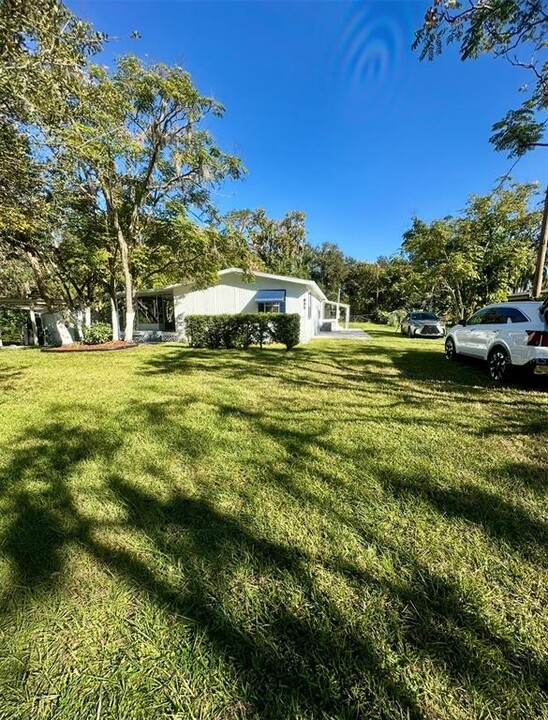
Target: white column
[(34, 329), (78, 317), (115, 320), (347, 316)]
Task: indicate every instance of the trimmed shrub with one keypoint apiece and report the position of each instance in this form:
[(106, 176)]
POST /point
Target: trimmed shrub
[(197, 330), (286, 329), (97, 334), (241, 331)]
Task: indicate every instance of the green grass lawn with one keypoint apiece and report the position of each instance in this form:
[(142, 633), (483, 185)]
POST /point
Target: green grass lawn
[(345, 530)]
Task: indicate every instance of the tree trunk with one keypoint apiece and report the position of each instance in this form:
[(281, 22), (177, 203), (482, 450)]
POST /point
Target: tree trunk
[(128, 280), (460, 302), (115, 319), (39, 278), (87, 316), (541, 257)]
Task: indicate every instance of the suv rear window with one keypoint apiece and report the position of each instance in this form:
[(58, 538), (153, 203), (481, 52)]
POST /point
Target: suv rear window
[(515, 315), (500, 316)]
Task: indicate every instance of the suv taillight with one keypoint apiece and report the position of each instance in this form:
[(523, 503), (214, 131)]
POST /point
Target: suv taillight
[(537, 338)]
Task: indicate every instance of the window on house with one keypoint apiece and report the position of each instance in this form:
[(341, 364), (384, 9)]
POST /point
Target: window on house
[(270, 301)]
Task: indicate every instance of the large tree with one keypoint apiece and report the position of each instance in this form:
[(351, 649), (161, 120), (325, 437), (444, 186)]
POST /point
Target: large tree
[(478, 257), (43, 52), (137, 150), (516, 31), (328, 268), (373, 287), (279, 246)]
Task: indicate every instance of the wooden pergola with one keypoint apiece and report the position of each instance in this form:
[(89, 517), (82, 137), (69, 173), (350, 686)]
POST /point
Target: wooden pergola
[(30, 304)]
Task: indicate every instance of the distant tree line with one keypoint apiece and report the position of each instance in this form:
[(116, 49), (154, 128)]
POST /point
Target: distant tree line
[(451, 265)]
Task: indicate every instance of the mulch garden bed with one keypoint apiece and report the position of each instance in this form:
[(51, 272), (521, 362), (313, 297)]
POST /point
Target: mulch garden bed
[(80, 347)]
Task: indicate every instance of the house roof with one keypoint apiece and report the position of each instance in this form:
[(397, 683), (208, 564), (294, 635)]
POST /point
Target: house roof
[(231, 271), (282, 278)]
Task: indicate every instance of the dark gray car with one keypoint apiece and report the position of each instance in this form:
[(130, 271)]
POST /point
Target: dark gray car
[(420, 323)]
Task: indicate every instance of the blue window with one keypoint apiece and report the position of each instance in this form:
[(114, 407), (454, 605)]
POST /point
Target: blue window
[(270, 301)]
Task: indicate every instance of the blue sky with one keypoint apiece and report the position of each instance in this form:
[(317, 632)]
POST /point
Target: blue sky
[(330, 109)]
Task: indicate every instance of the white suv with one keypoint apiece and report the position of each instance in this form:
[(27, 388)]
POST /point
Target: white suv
[(507, 335)]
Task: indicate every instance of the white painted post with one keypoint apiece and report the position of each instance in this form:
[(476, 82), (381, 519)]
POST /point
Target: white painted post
[(130, 325), (78, 317), (115, 320), (347, 316), (34, 329)]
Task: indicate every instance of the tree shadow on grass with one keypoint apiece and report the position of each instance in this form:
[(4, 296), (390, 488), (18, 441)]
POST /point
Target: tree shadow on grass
[(329, 367), (10, 377), (297, 659), (37, 507), (320, 637), (502, 519), (292, 661), (407, 379)]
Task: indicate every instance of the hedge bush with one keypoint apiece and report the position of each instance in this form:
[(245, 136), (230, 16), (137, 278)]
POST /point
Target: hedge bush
[(97, 334), (241, 331), (286, 329)]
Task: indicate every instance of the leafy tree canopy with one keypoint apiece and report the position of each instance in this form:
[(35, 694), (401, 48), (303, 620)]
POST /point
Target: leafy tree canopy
[(279, 246), (516, 30), (137, 151), (43, 48), (328, 268), (478, 257)]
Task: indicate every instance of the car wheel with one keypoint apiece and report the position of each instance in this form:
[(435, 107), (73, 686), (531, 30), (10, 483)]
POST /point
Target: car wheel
[(450, 349), (499, 364)]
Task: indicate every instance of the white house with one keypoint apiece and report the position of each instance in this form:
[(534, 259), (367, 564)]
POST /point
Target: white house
[(161, 313)]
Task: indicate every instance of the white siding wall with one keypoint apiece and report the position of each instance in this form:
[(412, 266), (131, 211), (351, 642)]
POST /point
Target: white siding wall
[(232, 295)]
